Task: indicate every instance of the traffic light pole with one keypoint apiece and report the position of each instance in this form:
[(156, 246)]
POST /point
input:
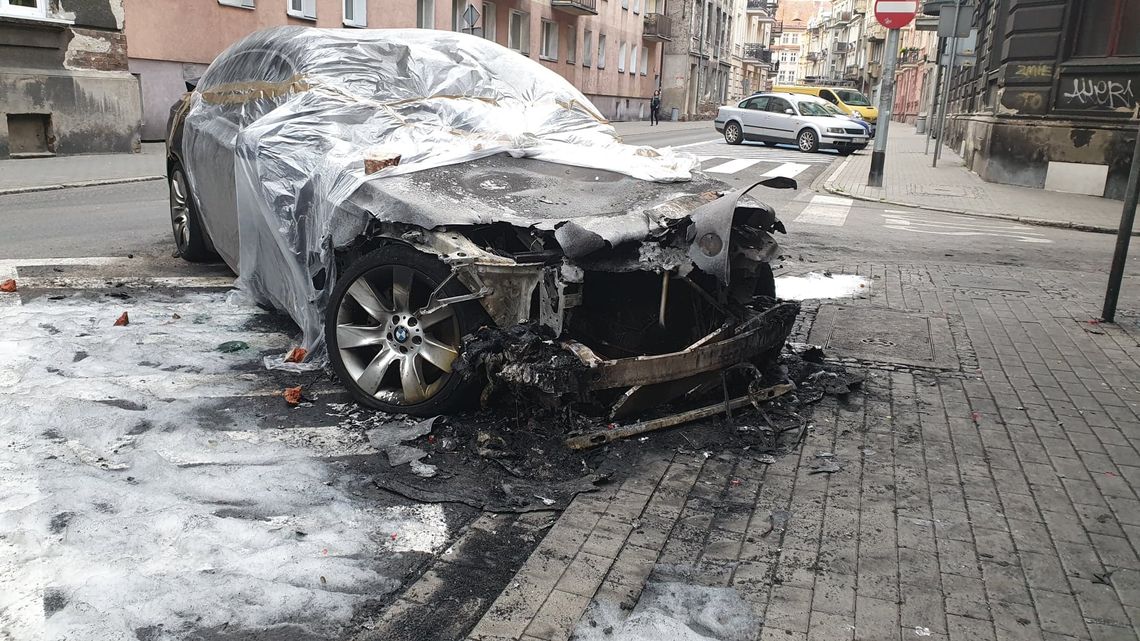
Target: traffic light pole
[(1124, 235), (886, 101)]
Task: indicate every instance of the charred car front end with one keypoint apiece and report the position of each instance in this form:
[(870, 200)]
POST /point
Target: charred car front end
[(431, 231)]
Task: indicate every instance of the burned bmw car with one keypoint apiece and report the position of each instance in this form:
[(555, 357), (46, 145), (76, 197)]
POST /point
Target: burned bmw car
[(399, 191)]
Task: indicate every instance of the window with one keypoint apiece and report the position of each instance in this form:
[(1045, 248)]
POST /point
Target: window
[(587, 48), (759, 103), (1108, 28), (778, 105), (458, 23), (356, 13), (425, 14), (637, 6), (518, 36), (645, 61), (571, 43), (634, 50), (24, 8), (306, 9), (601, 51), (245, 4), (621, 57), (490, 21), (625, 4), (549, 50)]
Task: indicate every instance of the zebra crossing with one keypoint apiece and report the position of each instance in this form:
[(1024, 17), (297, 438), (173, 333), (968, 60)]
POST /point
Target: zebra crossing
[(758, 152)]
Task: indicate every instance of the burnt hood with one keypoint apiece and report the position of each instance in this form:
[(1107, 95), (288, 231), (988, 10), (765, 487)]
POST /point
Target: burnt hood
[(585, 207)]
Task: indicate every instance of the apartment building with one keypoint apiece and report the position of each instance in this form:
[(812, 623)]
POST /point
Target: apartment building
[(610, 49), (753, 63), (1051, 96), (698, 60), (64, 84), (790, 39)]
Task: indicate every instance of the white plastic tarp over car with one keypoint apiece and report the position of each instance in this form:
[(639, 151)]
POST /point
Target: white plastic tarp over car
[(300, 110)]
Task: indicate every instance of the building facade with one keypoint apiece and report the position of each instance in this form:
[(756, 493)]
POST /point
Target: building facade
[(698, 60), (65, 87), (752, 48), (915, 72), (610, 49), (1051, 99)]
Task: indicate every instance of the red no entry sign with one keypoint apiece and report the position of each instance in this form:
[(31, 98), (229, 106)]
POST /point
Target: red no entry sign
[(895, 14)]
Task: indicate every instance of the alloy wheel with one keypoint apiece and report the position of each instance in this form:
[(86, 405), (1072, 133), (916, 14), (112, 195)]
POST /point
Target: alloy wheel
[(807, 141), (732, 133), (392, 344), (179, 210)]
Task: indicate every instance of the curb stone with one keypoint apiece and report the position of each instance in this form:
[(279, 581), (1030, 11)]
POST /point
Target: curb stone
[(826, 185), (85, 183)]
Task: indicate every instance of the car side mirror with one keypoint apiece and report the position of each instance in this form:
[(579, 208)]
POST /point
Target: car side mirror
[(789, 112)]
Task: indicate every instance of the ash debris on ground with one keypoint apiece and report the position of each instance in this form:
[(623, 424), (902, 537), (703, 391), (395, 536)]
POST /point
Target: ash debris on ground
[(523, 357), (511, 456)]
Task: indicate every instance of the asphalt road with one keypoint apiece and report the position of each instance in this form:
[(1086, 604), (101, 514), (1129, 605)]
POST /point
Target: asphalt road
[(117, 220)]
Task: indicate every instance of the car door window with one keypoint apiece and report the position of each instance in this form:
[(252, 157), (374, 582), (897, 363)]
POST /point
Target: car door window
[(828, 96), (759, 103), (778, 105)]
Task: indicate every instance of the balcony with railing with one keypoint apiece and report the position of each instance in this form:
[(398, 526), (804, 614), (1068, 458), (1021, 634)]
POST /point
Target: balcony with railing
[(576, 7), (843, 47), (762, 6), (756, 52), (911, 56), (815, 56), (657, 27), (843, 17)]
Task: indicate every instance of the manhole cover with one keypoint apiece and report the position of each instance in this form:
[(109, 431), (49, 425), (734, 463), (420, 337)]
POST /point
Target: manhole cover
[(885, 336), (971, 281)]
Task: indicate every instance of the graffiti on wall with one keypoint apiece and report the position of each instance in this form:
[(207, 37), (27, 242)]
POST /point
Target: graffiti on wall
[(1098, 93)]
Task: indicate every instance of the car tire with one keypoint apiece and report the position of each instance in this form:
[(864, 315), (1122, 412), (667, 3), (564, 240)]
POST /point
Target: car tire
[(377, 305), (733, 134), (190, 240), (807, 141)]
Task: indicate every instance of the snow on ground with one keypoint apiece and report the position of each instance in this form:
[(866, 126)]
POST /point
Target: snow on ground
[(126, 511), (818, 286), (675, 612)]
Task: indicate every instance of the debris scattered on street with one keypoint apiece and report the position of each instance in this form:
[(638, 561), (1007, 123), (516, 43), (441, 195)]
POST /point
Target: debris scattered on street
[(8, 286), (230, 347), (296, 355), (122, 320), (292, 395)]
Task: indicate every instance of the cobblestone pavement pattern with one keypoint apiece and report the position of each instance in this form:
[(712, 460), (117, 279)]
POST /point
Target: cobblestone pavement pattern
[(995, 502)]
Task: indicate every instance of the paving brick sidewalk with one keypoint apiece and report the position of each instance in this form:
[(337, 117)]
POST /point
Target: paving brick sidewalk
[(38, 174), (995, 501), (910, 180)]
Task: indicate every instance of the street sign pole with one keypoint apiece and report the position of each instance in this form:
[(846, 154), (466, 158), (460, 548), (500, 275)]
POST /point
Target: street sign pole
[(932, 113), (1124, 235), (894, 15), (886, 101), (948, 81)]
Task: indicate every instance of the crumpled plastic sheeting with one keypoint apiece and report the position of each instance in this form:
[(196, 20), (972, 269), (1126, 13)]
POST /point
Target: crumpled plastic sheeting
[(312, 103)]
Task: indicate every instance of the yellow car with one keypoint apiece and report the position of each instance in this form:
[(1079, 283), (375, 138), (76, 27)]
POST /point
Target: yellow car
[(848, 100)]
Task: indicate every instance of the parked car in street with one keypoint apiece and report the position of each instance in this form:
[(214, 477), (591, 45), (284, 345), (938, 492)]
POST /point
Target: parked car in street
[(774, 118), (846, 99), (398, 191)]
